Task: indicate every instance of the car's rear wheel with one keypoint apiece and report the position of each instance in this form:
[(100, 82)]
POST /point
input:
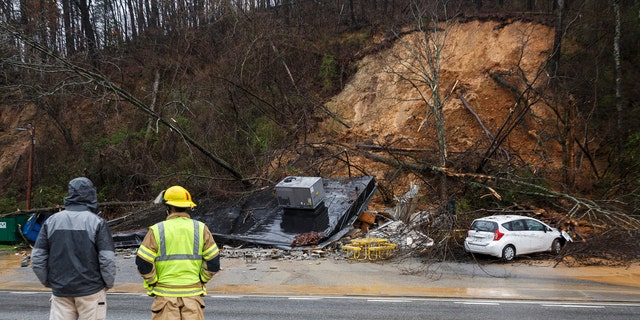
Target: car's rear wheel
[(509, 253), (556, 246)]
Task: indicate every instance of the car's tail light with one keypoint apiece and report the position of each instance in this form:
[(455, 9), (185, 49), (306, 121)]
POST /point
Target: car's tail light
[(497, 235)]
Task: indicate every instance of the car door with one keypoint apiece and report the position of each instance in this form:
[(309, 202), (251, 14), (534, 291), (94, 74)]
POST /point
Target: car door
[(538, 239), (518, 235)]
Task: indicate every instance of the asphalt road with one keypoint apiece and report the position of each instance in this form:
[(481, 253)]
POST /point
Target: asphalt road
[(34, 306), (523, 280)]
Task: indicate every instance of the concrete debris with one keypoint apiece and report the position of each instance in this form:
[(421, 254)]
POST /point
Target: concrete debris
[(255, 254), (405, 203), (406, 236)]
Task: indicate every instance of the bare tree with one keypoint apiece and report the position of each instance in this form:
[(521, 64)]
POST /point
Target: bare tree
[(422, 70)]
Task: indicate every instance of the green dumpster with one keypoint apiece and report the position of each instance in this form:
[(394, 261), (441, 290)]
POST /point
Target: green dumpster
[(10, 228)]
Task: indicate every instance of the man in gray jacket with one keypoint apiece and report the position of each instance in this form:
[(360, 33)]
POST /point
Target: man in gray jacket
[(74, 256)]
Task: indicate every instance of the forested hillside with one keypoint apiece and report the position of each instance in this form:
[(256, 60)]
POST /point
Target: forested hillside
[(489, 106)]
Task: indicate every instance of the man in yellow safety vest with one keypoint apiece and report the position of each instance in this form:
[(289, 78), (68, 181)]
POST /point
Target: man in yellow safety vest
[(176, 259)]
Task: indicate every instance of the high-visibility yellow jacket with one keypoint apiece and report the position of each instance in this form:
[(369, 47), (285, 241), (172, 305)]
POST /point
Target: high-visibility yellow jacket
[(180, 256)]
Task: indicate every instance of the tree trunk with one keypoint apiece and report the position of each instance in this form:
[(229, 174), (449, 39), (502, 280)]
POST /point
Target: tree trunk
[(141, 19), (557, 40), (618, 67), (42, 22), (90, 35), (152, 106), (352, 13), (132, 16), (568, 144), (154, 15), (24, 15)]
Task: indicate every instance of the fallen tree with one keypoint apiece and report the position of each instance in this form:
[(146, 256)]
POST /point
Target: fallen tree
[(581, 208)]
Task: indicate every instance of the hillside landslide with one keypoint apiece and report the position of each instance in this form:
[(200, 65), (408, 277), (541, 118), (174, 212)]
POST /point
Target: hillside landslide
[(378, 108)]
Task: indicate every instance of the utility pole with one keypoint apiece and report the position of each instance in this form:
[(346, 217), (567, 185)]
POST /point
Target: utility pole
[(32, 131)]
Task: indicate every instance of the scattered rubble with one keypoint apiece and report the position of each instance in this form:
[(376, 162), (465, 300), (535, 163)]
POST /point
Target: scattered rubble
[(397, 232), (256, 254), (306, 239)]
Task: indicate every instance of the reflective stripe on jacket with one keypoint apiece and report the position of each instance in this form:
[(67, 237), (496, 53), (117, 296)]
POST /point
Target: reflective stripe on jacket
[(179, 258)]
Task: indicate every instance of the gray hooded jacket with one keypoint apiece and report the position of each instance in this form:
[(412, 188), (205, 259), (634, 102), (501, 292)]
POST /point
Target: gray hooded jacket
[(74, 253)]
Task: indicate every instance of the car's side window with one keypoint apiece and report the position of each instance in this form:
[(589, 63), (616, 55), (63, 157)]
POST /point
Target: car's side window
[(534, 225), (518, 225)]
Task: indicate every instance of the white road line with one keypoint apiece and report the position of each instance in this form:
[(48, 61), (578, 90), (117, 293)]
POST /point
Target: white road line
[(573, 306), (388, 300), (481, 303)]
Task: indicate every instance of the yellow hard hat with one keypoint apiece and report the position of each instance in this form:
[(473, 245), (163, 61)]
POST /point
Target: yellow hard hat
[(178, 196)]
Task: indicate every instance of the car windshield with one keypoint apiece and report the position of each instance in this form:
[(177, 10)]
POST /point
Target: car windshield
[(483, 225)]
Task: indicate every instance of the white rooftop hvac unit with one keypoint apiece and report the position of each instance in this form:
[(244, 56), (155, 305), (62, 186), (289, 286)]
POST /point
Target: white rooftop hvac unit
[(300, 192)]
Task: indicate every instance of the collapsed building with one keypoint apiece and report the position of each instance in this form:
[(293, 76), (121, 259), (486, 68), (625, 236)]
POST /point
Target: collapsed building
[(296, 212)]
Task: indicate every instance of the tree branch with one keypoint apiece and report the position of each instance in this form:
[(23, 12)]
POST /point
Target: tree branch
[(581, 207)]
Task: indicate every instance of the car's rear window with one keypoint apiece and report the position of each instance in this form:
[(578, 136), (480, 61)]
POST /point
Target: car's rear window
[(483, 225)]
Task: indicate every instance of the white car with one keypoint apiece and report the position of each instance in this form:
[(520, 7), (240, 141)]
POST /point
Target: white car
[(508, 236)]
